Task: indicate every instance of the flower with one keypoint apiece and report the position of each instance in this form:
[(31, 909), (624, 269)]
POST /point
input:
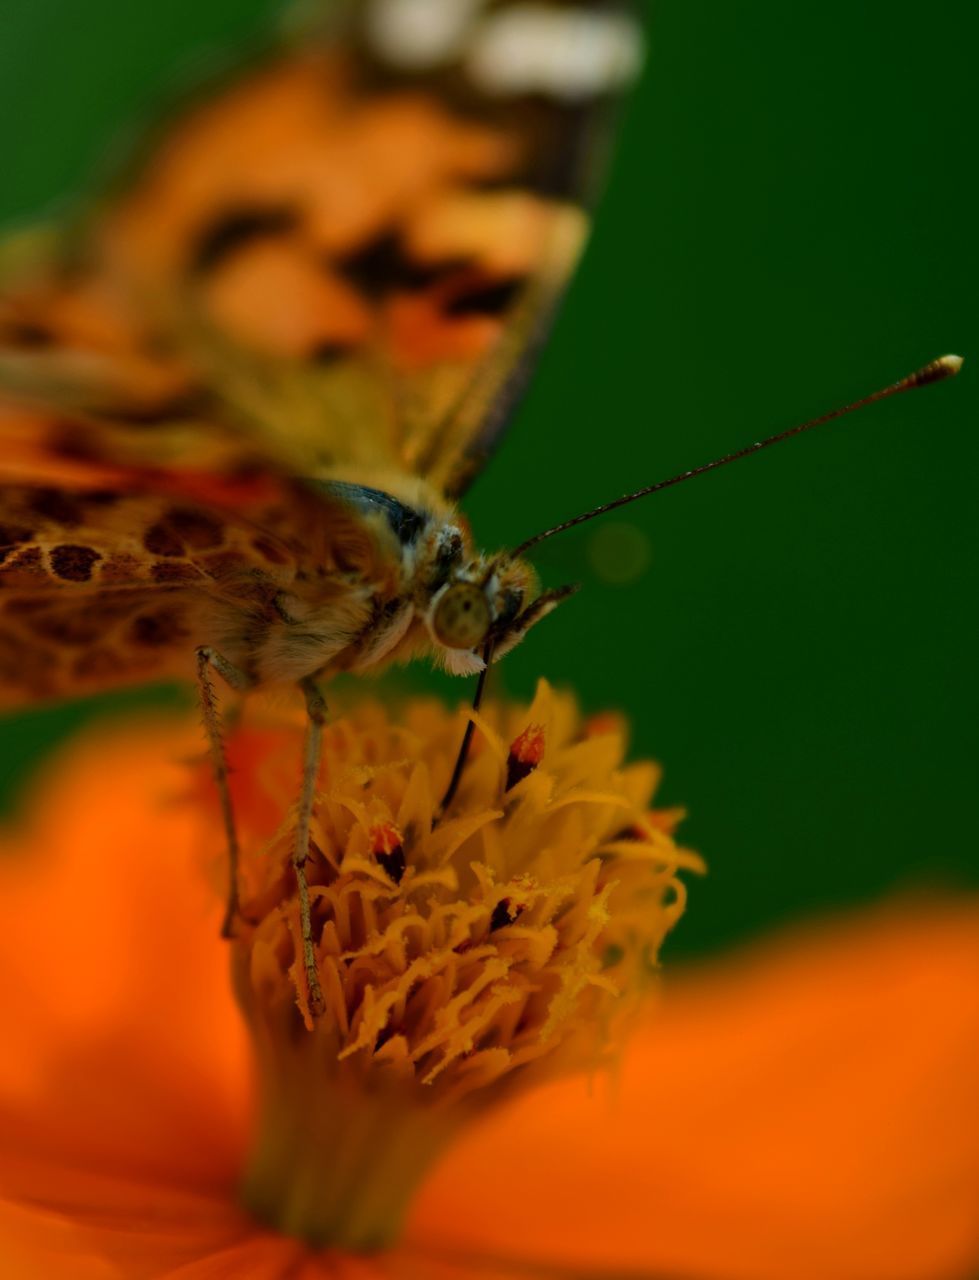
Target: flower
[(808, 1110), (458, 958)]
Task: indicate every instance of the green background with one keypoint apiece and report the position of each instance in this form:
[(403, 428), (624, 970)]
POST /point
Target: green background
[(790, 222)]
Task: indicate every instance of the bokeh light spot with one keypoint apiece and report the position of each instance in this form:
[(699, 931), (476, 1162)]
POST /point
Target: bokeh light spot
[(619, 553)]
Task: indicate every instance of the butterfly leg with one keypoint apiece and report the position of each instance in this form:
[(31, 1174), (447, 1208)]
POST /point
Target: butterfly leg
[(206, 660), (316, 718)]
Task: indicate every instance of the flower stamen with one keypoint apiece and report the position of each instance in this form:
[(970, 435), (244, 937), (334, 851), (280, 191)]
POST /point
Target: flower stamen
[(525, 754), (387, 844), (458, 960), (504, 913)]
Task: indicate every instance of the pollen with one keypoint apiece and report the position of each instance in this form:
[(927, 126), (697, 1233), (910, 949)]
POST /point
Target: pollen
[(461, 957)]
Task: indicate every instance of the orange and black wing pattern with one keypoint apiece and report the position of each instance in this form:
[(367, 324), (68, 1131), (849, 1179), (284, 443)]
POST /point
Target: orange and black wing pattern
[(341, 257), (114, 567), (107, 559)]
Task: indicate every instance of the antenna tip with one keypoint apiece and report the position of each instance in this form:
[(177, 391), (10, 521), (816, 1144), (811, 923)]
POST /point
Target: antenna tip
[(937, 371)]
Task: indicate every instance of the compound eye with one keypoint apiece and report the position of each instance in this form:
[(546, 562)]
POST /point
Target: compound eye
[(462, 617)]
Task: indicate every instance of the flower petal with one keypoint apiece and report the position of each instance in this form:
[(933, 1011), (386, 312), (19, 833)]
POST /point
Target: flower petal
[(149, 1234), (120, 1032), (809, 1111), (86, 1227), (37, 1243)]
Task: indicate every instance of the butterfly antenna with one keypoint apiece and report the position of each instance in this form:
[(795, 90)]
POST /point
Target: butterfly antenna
[(467, 737), (936, 371)]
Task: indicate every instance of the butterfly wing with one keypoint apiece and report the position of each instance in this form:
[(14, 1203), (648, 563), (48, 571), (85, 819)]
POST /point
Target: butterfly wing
[(336, 262), (355, 243), (118, 555)]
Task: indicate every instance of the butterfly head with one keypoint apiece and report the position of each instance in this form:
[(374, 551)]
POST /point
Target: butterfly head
[(487, 603)]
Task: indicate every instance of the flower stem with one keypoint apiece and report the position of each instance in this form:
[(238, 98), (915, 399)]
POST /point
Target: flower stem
[(333, 1163)]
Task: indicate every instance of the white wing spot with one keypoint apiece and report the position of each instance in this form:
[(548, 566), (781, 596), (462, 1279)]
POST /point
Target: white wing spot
[(417, 34), (566, 53)]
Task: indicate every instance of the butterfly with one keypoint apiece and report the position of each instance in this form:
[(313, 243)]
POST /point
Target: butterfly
[(242, 392)]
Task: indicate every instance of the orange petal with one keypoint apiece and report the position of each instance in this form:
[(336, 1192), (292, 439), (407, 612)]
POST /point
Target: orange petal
[(79, 1224), (120, 1034), (808, 1111), (36, 1243), (105, 1230)]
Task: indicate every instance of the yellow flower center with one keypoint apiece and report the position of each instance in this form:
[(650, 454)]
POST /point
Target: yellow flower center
[(460, 959)]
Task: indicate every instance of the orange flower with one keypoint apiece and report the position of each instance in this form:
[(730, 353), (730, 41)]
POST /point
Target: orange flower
[(808, 1111)]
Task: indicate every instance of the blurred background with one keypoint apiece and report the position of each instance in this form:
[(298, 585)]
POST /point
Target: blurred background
[(791, 222)]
